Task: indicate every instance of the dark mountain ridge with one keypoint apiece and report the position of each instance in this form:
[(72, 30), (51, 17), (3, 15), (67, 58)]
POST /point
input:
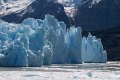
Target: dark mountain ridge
[(38, 9), (102, 15)]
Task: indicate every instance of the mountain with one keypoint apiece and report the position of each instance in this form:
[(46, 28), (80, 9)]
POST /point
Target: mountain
[(69, 3), (69, 6), (100, 17), (38, 9), (98, 14), (10, 6)]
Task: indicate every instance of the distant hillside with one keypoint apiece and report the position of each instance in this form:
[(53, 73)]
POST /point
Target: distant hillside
[(38, 9), (95, 15)]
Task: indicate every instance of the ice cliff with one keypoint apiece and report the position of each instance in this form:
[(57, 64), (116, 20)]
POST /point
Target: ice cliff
[(37, 42), (92, 50)]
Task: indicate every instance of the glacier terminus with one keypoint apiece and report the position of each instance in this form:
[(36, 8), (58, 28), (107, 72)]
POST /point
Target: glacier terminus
[(37, 42)]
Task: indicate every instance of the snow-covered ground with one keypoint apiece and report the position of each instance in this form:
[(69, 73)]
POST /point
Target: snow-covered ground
[(17, 5), (13, 6), (70, 11), (69, 6), (109, 71)]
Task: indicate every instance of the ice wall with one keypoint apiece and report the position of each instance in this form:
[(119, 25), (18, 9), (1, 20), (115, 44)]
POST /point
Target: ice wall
[(37, 42), (73, 45), (92, 50)]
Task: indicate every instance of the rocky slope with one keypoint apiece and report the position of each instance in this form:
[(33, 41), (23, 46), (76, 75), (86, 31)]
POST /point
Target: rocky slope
[(38, 9), (102, 18), (95, 15)]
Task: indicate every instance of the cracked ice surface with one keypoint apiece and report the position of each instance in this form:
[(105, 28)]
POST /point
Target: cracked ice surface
[(109, 71)]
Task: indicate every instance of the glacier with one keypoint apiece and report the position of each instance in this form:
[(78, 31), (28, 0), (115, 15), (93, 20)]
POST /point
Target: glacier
[(92, 50), (37, 42)]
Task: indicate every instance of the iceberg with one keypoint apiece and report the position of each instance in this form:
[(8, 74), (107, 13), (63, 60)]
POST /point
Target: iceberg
[(37, 42), (92, 50)]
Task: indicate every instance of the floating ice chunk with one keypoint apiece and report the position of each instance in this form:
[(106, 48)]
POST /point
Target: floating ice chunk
[(90, 74)]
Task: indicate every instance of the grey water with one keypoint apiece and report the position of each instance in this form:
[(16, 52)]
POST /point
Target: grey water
[(109, 66)]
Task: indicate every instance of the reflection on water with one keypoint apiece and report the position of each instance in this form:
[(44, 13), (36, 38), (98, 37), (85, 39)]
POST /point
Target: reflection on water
[(111, 66)]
